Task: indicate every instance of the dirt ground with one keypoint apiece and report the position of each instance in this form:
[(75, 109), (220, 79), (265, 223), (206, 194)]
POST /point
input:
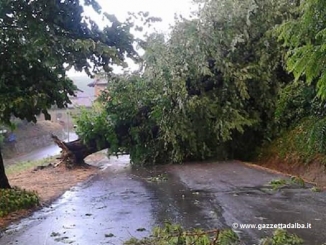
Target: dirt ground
[(51, 182)]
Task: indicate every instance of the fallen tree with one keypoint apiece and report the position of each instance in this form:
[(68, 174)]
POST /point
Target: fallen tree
[(195, 98)]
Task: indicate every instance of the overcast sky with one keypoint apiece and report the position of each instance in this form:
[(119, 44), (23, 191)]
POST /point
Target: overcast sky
[(164, 9), (158, 8)]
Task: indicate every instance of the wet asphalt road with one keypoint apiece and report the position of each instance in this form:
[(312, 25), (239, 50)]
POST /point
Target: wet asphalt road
[(122, 202)]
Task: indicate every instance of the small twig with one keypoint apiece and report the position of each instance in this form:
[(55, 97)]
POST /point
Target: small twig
[(214, 242), (57, 164), (202, 233)]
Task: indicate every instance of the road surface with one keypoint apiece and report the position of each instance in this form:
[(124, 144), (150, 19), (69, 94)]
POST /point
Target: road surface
[(121, 201)]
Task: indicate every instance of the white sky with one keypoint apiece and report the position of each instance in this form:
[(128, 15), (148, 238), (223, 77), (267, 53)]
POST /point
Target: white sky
[(164, 9), (158, 8)]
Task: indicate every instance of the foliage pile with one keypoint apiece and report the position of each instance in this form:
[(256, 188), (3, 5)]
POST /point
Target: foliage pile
[(282, 237), (15, 199), (276, 184), (173, 234), (207, 91)]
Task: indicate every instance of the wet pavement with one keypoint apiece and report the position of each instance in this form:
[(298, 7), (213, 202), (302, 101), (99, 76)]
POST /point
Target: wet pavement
[(124, 202)]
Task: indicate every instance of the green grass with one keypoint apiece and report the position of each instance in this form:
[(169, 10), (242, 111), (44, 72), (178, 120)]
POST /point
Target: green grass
[(25, 165)]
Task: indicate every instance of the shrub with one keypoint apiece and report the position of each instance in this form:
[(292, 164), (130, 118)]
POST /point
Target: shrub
[(15, 199)]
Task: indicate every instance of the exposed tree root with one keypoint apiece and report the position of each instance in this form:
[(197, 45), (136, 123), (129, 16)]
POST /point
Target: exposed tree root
[(74, 152)]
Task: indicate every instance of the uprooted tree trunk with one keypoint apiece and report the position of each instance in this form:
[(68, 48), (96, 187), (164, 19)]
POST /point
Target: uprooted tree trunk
[(74, 152)]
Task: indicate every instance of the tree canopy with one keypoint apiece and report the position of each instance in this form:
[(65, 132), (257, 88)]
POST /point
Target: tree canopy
[(40, 41)]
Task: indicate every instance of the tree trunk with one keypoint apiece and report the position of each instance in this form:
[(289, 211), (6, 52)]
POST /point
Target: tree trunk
[(4, 183), (74, 152)]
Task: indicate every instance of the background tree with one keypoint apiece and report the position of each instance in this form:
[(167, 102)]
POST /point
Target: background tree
[(305, 38), (39, 41)]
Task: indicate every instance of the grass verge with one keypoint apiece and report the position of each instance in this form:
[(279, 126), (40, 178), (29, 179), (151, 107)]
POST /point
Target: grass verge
[(24, 165)]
